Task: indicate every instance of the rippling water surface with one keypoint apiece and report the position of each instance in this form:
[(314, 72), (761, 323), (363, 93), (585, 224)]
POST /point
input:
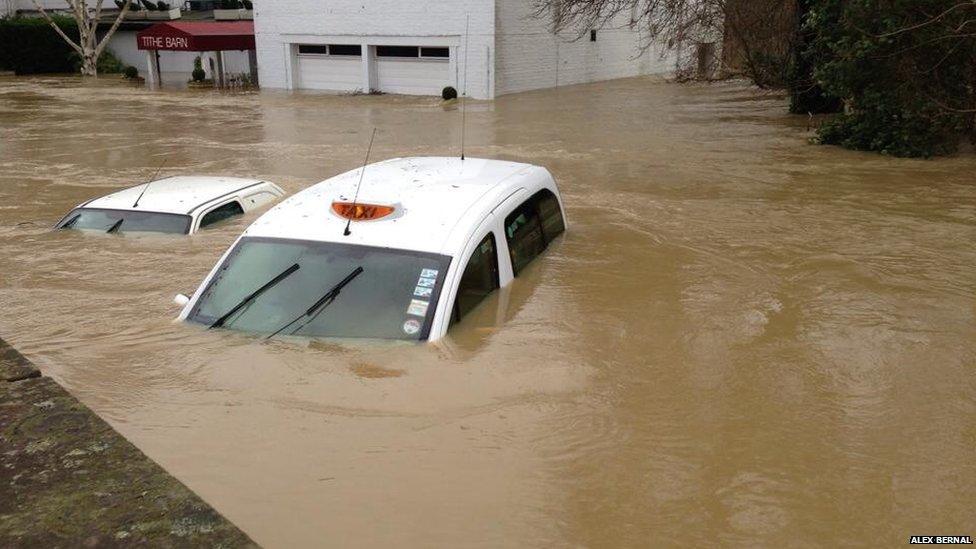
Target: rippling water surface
[(742, 339)]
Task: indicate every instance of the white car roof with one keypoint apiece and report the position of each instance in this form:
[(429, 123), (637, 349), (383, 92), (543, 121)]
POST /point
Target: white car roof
[(437, 198), (178, 195)]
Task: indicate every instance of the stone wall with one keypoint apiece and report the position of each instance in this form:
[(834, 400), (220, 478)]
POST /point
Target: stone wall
[(67, 479)]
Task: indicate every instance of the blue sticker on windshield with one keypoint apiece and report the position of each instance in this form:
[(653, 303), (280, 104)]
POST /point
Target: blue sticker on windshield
[(423, 292), (429, 273), (426, 282)]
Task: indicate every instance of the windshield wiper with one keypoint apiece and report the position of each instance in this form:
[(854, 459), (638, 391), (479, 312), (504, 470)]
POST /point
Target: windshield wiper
[(67, 224), (115, 226), (316, 309), (255, 294)]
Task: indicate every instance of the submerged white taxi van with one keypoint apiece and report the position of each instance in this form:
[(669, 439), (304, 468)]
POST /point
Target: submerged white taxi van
[(177, 205), (424, 242)]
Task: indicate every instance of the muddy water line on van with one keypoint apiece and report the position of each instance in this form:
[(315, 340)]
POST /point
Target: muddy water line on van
[(743, 338)]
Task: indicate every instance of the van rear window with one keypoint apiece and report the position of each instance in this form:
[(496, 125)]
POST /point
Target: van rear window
[(531, 227)]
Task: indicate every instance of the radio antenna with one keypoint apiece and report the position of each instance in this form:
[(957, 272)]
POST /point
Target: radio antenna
[(150, 182), (362, 173), (464, 87)]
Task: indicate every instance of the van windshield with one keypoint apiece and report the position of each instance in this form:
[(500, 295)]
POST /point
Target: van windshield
[(393, 297), (132, 221)]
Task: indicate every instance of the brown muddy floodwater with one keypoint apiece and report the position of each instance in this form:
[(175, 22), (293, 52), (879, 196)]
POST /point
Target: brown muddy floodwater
[(743, 339)]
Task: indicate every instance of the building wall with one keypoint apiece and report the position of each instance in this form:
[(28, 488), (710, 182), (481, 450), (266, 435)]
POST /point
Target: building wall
[(531, 57), (28, 5), (281, 24)]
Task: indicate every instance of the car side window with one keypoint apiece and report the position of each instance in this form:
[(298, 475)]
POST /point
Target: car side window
[(479, 280), (531, 227), (219, 214)]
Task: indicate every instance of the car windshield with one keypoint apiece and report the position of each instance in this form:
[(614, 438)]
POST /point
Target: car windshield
[(132, 221), (393, 297)]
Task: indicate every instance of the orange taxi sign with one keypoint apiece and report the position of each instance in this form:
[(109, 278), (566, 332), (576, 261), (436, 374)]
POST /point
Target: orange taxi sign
[(358, 211)]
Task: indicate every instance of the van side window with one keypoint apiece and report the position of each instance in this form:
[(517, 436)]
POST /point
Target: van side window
[(219, 214), (480, 278), (531, 227)]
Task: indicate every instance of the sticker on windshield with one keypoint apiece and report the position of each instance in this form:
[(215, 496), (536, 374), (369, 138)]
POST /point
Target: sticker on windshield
[(411, 327), (426, 282), (418, 307), (429, 273), (423, 292)]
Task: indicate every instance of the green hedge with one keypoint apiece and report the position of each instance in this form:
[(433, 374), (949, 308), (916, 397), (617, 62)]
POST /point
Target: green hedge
[(905, 69), (28, 45)]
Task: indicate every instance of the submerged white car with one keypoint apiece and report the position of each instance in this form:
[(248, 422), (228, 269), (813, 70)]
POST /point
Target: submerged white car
[(423, 243), (178, 205)]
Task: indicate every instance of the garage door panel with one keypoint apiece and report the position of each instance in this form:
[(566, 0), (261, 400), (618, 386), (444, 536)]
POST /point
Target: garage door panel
[(330, 73), (413, 76)]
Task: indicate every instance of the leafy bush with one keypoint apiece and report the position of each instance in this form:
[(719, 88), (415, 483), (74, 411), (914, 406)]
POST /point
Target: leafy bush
[(889, 126), (28, 45), (449, 93), (198, 73), (108, 64), (131, 72), (905, 72), (248, 5), (230, 4)]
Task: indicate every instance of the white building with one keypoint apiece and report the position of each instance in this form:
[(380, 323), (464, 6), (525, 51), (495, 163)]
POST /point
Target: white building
[(418, 47)]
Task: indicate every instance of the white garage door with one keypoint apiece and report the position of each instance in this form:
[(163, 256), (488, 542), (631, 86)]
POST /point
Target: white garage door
[(413, 70), (330, 67)]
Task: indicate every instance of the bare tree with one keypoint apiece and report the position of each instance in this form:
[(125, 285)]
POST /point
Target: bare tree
[(757, 35), (88, 46)]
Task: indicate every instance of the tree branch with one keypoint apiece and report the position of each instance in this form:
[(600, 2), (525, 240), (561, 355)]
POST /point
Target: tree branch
[(970, 4), (111, 31), (57, 29)]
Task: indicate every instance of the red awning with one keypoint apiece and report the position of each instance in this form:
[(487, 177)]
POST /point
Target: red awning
[(198, 36)]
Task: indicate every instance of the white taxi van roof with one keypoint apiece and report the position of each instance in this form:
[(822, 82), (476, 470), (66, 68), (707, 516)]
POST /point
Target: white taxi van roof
[(439, 201), (177, 195)]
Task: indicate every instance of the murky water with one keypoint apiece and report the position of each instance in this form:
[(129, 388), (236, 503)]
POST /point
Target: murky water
[(743, 338)]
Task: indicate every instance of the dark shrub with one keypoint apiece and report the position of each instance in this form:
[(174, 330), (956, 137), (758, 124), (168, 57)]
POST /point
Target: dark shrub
[(906, 75), (131, 72), (28, 45), (449, 93), (107, 63), (198, 73)]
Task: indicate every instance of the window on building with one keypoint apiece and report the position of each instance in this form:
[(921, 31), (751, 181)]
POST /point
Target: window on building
[(331, 49), (531, 227), (592, 35), (313, 49), (217, 215), (397, 51), (346, 49), (479, 280), (435, 53)]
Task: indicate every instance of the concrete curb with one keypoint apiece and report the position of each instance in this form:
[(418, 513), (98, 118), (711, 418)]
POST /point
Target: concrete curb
[(67, 479)]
